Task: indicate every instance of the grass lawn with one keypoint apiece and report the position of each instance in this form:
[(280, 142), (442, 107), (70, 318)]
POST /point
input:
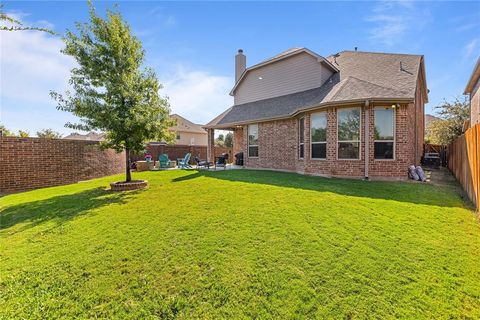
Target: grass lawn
[(239, 244)]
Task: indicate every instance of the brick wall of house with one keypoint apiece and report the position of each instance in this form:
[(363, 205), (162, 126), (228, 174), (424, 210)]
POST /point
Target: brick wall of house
[(278, 147), (31, 163), (238, 136)]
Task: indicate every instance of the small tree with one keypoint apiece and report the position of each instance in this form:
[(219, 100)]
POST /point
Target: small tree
[(23, 134), (48, 134), (450, 125), (220, 141), (5, 132), (229, 140), (111, 91)]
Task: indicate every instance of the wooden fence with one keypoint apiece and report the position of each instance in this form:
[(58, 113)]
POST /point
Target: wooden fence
[(464, 162)]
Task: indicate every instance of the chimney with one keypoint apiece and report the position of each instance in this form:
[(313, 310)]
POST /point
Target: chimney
[(240, 64)]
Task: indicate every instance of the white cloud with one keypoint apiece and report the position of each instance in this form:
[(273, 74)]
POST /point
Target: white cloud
[(198, 95), (394, 19), (32, 65), (162, 17), (471, 48)]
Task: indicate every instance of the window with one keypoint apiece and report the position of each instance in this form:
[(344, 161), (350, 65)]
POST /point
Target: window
[(253, 140), (318, 131), (348, 131), (384, 133), (178, 136), (301, 138)]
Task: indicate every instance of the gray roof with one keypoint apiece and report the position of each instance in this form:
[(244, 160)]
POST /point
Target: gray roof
[(185, 125), (362, 76), (91, 136)]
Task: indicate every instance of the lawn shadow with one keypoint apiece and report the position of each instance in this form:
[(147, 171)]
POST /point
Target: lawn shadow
[(417, 193), (60, 208)]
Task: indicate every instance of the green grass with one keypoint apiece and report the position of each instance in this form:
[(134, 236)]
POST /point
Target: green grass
[(239, 244)]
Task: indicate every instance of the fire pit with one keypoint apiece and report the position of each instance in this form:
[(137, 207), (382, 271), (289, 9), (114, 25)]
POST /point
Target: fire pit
[(126, 186)]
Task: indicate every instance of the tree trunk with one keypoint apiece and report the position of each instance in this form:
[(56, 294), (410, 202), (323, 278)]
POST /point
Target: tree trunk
[(127, 155)]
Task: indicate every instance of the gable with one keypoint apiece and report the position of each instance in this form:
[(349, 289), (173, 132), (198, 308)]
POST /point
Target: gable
[(296, 73), (184, 125)]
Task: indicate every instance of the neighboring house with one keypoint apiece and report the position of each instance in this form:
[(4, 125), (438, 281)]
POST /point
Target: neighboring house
[(189, 133), (473, 90), (301, 112), (91, 136)]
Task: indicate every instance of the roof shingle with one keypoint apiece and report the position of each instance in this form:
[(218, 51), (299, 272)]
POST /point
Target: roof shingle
[(362, 75)]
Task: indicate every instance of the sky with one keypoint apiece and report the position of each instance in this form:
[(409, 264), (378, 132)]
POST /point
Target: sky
[(191, 46)]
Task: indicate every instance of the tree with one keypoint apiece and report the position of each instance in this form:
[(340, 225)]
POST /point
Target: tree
[(450, 125), (23, 134), (5, 132), (111, 91), (48, 134), (229, 140), (16, 25), (220, 141)]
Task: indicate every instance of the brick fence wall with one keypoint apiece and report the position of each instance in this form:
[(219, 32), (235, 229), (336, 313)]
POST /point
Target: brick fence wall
[(179, 151), (31, 163)]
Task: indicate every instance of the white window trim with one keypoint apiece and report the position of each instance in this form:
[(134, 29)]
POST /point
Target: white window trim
[(350, 141), (248, 139), (319, 142), (299, 135), (394, 134)]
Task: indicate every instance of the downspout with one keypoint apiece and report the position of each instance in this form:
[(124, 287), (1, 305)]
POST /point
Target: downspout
[(367, 137)]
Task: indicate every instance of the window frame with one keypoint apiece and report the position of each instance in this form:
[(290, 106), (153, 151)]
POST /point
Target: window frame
[(321, 142), (394, 133), (350, 141), (300, 134), (248, 140)]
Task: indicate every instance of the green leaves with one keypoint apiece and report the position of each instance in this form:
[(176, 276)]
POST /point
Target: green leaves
[(450, 125), (48, 134), (111, 91)]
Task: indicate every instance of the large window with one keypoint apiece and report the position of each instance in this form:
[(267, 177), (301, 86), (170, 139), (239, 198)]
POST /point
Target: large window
[(349, 124), (253, 140), (301, 138), (318, 130), (384, 133)]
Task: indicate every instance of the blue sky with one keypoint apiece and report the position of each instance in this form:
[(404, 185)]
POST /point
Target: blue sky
[(191, 45)]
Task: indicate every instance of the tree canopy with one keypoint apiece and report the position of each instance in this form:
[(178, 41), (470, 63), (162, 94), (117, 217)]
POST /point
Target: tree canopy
[(452, 116), (48, 134), (228, 140), (112, 91)]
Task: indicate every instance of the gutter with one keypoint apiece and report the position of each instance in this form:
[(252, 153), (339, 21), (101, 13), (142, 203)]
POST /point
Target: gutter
[(310, 108)]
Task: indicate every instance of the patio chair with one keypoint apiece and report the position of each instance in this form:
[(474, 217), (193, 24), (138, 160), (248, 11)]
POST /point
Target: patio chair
[(183, 163), (202, 163), (164, 161), (221, 161)]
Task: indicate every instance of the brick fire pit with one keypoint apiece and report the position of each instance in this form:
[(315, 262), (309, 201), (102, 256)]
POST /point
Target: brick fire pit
[(126, 186)]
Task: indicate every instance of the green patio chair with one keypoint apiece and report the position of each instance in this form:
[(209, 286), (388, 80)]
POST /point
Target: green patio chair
[(183, 163), (164, 161)]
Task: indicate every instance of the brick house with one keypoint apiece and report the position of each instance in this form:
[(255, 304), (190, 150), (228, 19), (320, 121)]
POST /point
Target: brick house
[(351, 114), (473, 90)]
